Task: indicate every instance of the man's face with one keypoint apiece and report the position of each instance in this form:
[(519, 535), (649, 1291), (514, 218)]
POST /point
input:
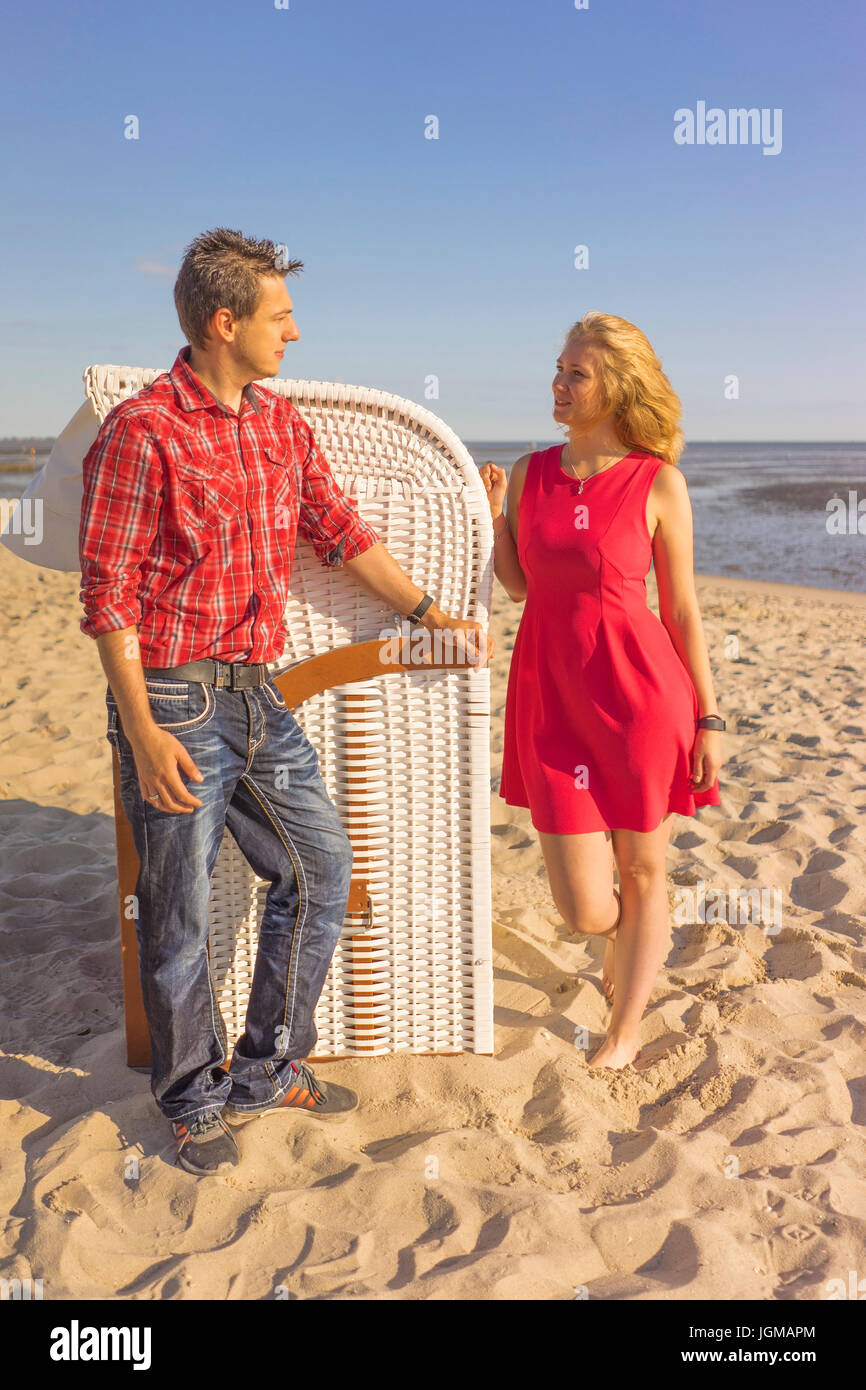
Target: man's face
[(260, 340)]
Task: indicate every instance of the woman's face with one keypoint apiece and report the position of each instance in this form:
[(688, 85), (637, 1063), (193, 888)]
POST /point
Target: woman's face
[(578, 398)]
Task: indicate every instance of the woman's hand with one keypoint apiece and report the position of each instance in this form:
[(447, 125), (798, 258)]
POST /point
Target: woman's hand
[(706, 759), (495, 482)]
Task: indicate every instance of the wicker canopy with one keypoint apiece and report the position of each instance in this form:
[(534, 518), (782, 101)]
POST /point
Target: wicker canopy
[(403, 751)]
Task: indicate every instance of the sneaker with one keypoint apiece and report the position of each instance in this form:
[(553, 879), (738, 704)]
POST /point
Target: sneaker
[(305, 1094), (205, 1144)]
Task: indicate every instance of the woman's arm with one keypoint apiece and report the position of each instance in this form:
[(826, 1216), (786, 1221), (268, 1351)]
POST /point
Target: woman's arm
[(670, 521), (669, 506), (506, 565)]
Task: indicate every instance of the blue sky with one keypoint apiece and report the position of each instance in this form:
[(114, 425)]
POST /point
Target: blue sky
[(449, 257)]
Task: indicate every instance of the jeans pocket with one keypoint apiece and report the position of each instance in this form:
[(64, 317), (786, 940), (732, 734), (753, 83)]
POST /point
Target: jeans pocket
[(273, 695), (180, 706)]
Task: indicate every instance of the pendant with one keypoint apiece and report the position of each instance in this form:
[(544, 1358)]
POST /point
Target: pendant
[(580, 483)]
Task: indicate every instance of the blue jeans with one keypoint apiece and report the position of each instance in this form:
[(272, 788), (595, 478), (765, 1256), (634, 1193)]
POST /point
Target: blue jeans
[(262, 780)]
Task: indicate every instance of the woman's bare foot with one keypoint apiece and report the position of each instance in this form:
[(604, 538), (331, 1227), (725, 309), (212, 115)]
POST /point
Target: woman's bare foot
[(615, 1055), (608, 969)]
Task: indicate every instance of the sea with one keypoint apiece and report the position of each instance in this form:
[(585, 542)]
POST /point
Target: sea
[(784, 512), (765, 511)]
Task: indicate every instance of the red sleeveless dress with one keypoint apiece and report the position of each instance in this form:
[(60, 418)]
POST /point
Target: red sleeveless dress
[(600, 713)]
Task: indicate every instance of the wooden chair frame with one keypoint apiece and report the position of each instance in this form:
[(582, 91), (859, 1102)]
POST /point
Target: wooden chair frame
[(357, 662)]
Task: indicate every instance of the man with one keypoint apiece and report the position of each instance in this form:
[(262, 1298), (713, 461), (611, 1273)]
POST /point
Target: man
[(194, 492)]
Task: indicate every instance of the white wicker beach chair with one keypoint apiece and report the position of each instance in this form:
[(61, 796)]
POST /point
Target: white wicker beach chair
[(404, 754)]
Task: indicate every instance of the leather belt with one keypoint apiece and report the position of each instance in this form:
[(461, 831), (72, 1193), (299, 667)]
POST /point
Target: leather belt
[(225, 675)]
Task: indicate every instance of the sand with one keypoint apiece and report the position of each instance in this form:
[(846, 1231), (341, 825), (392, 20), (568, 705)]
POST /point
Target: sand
[(730, 1167)]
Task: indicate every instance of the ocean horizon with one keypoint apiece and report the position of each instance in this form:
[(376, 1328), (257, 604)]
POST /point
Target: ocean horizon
[(785, 511)]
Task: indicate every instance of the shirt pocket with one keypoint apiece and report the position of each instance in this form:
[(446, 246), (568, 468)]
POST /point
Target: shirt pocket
[(283, 471), (207, 495)]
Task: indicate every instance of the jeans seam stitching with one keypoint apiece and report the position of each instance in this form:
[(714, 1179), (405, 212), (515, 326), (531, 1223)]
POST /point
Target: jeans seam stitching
[(302, 897), (220, 1038), (281, 704), (252, 748)]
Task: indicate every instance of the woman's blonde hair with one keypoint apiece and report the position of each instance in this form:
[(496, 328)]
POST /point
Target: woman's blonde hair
[(646, 408)]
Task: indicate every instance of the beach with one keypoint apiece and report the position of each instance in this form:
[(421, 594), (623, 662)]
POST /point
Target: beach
[(731, 1165)]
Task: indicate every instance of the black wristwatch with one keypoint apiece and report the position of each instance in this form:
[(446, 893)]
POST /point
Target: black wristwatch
[(711, 721), (418, 613)]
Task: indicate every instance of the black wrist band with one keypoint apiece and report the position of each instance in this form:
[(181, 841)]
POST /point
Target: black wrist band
[(711, 721), (418, 613)]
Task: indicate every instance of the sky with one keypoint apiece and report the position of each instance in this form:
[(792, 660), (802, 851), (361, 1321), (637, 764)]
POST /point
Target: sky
[(446, 265)]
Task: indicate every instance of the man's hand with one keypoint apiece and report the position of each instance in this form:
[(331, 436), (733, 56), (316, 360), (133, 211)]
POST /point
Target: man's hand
[(379, 574), (158, 756)]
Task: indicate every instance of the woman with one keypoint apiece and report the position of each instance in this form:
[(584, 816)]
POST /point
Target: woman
[(611, 724)]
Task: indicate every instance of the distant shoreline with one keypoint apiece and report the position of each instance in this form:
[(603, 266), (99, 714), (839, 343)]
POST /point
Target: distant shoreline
[(749, 588), (757, 587)]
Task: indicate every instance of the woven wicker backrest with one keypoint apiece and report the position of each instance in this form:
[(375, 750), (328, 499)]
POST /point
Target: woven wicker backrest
[(404, 757)]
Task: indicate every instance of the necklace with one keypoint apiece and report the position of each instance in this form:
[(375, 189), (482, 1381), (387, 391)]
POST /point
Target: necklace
[(580, 481)]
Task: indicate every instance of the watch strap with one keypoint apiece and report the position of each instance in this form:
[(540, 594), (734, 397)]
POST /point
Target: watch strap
[(418, 613)]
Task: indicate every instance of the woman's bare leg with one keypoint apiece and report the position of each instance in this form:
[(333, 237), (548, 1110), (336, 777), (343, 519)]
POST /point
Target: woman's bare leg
[(641, 937), (608, 969), (580, 872)]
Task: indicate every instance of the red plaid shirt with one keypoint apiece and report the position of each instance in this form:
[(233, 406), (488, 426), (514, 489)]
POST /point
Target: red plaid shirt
[(190, 516)]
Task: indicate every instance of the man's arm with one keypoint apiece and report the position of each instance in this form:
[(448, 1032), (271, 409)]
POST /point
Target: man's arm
[(158, 754), (120, 507), (327, 518), (378, 572), (341, 539)]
